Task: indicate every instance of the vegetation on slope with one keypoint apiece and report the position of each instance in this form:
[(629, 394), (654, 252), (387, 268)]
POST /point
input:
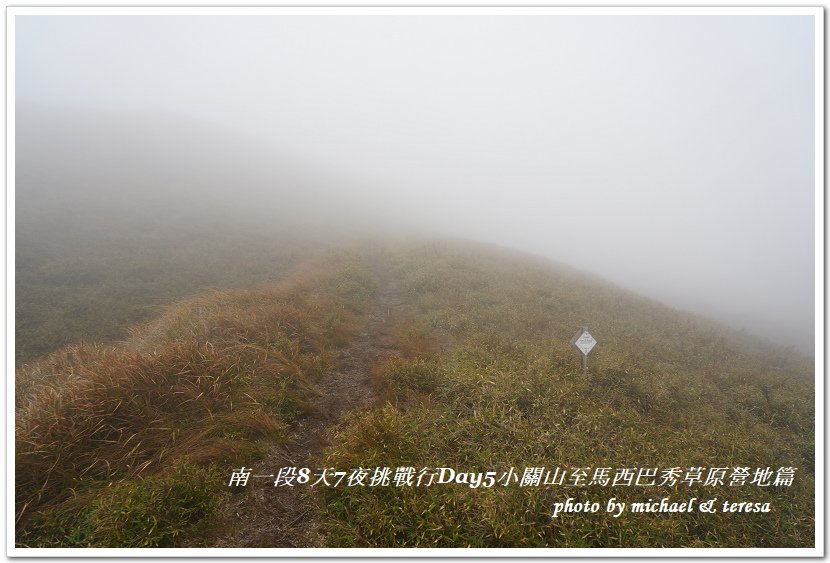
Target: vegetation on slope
[(81, 283), (123, 445), (130, 444), (664, 389)]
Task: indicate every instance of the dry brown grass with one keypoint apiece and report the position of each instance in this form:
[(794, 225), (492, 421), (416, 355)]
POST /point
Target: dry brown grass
[(204, 382)]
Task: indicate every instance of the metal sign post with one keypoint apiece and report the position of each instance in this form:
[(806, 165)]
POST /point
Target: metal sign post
[(584, 342)]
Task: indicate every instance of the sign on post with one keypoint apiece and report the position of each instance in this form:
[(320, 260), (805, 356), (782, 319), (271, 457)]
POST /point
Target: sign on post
[(584, 343)]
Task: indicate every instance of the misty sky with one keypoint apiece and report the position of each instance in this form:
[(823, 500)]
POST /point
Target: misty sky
[(671, 155)]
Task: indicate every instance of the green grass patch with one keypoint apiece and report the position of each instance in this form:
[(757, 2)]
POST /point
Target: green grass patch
[(664, 389), (153, 511)]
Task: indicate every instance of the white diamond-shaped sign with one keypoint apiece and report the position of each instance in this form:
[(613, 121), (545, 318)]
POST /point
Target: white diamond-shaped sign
[(584, 341)]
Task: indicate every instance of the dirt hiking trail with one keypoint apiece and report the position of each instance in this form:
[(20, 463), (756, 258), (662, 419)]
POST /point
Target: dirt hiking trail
[(262, 515)]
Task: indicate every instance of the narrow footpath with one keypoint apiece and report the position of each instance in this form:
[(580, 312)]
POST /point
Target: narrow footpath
[(268, 516)]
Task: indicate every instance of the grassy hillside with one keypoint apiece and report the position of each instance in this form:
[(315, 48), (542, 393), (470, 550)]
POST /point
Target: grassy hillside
[(75, 284), (131, 444), (664, 389), (126, 444), (118, 214)]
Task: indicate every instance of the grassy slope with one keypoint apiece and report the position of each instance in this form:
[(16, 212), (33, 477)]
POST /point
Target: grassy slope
[(664, 389), (127, 445), (76, 284), (139, 436)]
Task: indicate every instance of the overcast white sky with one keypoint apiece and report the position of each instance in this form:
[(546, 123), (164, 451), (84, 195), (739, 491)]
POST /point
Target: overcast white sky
[(672, 155)]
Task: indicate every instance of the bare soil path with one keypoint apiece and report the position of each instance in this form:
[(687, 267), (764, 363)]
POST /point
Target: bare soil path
[(268, 516)]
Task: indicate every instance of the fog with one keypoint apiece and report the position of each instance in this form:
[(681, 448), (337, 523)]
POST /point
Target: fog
[(673, 156)]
